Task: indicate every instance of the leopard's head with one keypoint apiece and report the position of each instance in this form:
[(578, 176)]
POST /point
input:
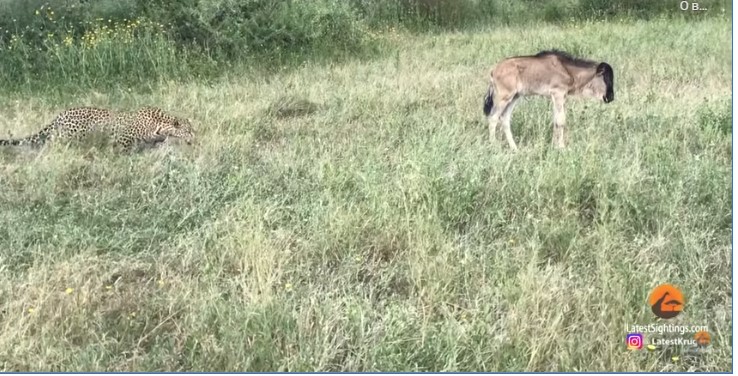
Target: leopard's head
[(182, 129)]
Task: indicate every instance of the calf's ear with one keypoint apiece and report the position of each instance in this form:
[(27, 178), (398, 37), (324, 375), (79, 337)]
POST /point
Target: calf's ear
[(603, 68)]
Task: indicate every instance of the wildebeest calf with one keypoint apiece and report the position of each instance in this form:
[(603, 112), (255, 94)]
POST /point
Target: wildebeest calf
[(548, 73)]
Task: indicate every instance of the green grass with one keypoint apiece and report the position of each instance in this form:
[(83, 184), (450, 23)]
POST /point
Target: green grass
[(354, 217)]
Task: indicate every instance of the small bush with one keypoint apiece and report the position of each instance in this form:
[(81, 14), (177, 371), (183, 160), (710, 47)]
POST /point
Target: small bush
[(720, 120), (236, 29)]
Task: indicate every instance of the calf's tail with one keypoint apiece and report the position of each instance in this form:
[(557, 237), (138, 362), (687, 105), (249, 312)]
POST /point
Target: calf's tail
[(488, 98)]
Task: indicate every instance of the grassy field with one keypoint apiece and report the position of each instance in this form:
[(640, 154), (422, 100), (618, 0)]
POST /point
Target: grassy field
[(354, 217)]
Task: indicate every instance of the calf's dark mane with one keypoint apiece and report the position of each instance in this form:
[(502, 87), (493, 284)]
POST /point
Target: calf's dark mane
[(567, 58)]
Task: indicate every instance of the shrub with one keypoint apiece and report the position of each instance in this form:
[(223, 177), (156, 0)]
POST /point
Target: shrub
[(237, 29)]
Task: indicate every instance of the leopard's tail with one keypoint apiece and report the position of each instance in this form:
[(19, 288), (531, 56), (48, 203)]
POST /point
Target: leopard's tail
[(35, 140), (10, 142)]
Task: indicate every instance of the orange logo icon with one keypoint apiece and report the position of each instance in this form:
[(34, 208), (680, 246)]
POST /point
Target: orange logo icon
[(702, 338), (666, 301)]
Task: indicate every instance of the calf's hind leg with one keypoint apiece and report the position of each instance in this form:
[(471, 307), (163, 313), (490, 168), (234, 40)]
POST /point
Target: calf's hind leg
[(506, 116), (496, 114)]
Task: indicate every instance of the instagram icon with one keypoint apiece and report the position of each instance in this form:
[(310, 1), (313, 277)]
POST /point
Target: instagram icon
[(634, 341)]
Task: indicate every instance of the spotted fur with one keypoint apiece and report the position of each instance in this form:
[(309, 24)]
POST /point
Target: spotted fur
[(146, 125)]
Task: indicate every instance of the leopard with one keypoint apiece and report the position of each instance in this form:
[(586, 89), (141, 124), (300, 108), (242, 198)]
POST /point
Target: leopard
[(147, 125)]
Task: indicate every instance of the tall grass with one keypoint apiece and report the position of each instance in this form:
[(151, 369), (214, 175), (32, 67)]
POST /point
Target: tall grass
[(119, 54), (353, 216), (72, 47), (73, 44)]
